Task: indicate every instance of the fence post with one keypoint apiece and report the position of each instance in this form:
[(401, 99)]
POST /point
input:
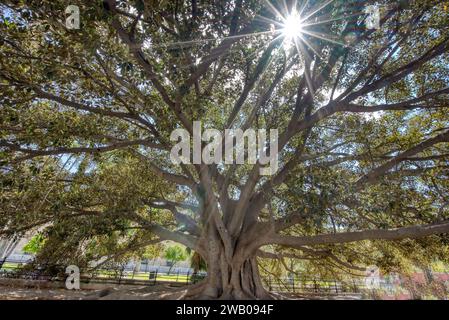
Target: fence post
[(120, 276), (336, 287), (354, 286), (177, 276), (187, 279), (2, 262)]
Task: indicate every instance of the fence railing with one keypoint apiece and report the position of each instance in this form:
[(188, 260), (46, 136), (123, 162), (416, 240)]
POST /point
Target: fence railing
[(385, 288), (121, 275), (110, 274), (116, 274), (315, 285)]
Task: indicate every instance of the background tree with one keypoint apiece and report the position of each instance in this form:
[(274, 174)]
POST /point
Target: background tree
[(362, 114), (174, 254), (35, 244)]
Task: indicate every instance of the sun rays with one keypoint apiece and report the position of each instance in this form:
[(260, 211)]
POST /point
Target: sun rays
[(293, 26), (290, 23), (297, 24)]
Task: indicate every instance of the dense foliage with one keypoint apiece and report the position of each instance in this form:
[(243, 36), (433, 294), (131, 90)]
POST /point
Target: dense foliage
[(86, 117)]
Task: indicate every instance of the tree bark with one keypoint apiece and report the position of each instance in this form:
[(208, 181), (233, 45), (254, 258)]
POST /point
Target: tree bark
[(230, 278), (232, 282)]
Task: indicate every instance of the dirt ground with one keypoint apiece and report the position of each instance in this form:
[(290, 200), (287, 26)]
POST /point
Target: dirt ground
[(133, 293), (156, 292)]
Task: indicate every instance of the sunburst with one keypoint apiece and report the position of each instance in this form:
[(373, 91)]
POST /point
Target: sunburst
[(295, 23), (296, 26), (293, 26)]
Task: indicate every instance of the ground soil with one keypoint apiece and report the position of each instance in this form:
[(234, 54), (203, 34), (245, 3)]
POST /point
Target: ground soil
[(156, 292)]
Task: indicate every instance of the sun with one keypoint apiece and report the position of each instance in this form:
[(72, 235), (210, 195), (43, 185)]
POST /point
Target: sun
[(293, 26)]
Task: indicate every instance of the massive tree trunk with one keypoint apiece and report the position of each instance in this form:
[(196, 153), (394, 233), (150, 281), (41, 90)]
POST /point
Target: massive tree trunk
[(230, 276), (235, 280)]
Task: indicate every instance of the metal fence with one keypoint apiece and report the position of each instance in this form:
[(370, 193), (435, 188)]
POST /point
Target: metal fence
[(313, 285), (108, 274), (386, 288), (121, 274)]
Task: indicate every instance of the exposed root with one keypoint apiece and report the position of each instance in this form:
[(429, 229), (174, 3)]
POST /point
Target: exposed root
[(194, 291)]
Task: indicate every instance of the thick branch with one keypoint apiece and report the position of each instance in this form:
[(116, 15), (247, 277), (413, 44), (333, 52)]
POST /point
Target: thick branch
[(377, 234), (371, 177)]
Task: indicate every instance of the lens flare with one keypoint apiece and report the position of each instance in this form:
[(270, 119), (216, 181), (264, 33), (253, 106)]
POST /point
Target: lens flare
[(293, 26)]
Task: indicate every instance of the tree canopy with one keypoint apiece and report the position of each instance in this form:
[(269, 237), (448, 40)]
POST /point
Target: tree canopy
[(362, 116)]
